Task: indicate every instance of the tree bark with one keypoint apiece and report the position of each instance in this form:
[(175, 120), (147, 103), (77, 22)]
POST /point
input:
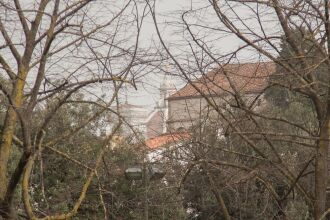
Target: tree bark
[(7, 138), (321, 169)]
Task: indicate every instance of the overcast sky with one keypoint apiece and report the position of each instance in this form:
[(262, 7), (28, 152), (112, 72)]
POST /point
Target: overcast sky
[(148, 93), (168, 14)]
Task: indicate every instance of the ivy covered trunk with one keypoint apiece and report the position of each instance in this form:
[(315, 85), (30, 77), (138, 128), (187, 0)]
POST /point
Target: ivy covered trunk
[(7, 139)]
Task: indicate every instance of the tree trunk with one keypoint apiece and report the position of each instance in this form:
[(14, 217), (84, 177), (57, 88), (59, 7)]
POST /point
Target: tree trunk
[(5, 148), (7, 211), (321, 169), (7, 137), (217, 195)]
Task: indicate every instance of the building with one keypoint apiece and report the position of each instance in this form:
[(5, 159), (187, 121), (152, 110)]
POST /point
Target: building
[(135, 116), (188, 106), (171, 121), (159, 145), (156, 122), (141, 120), (179, 110)]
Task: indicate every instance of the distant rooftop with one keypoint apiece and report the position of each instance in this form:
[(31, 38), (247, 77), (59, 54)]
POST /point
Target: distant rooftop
[(246, 77), (169, 138)]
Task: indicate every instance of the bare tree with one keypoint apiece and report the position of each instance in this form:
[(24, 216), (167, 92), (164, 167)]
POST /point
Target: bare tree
[(53, 50), (266, 28)]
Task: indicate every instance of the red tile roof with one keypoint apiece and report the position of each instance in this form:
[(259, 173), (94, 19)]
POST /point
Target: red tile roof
[(165, 139), (247, 78)]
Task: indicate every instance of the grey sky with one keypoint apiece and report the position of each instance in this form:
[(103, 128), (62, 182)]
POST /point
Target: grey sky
[(168, 15)]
